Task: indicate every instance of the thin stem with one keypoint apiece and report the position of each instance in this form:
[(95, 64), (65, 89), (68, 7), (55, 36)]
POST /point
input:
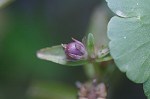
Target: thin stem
[(89, 71), (92, 70), (98, 72)]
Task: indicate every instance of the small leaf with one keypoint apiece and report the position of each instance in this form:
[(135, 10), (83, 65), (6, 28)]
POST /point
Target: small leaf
[(90, 43), (56, 54), (103, 52), (103, 55)]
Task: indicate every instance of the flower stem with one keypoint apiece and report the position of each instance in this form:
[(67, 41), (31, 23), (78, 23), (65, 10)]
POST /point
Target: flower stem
[(92, 70), (89, 71)]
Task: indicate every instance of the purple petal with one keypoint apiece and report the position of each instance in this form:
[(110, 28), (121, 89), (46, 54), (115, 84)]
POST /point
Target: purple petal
[(77, 57)]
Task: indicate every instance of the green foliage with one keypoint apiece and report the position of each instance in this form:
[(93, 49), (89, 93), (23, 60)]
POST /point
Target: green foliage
[(129, 33)]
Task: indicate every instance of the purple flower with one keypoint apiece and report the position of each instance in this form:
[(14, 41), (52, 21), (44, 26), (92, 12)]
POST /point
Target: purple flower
[(75, 50)]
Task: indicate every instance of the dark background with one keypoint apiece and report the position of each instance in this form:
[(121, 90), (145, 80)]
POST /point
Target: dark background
[(29, 25)]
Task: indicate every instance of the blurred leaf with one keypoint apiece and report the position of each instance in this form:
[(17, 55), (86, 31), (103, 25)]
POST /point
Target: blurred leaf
[(129, 33), (56, 54), (98, 25), (51, 90), (4, 3)]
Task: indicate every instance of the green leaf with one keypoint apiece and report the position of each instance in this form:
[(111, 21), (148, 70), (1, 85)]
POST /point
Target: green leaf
[(90, 43), (129, 33), (56, 54), (147, 88)]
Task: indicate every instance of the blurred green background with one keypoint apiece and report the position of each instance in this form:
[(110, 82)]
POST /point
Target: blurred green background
[(29, 25)]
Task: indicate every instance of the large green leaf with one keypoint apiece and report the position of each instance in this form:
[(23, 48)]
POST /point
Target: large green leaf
[(56, 54), (129, 33)]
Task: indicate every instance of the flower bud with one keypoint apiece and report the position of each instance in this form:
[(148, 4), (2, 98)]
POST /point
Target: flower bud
[(75, 50)]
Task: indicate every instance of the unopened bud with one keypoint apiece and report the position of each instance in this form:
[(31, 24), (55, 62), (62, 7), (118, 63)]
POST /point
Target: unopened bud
[(75, 50)]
